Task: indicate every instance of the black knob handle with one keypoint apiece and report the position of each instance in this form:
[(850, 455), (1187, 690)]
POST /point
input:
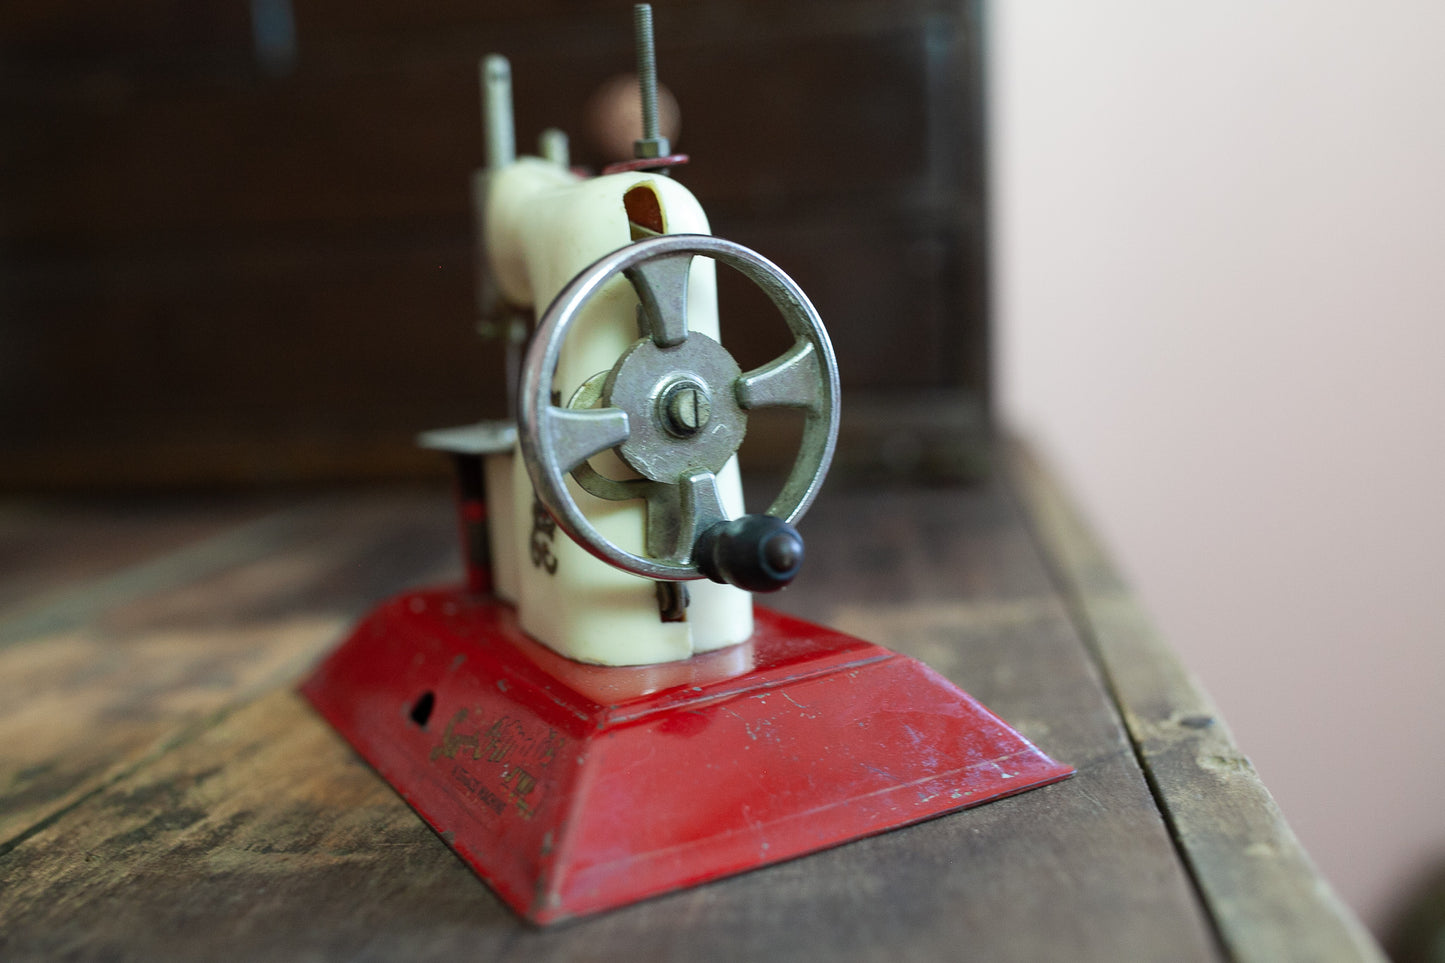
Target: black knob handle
[(758, 553)]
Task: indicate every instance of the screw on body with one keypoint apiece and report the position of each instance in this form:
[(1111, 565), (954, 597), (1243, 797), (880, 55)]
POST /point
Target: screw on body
[(652, 144)]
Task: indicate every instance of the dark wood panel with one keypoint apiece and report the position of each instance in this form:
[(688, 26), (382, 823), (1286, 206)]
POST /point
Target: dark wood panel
[(376, 136), (884, 282), (279, 357), (222, 269), (40, 30), (269, 364), (272, 334), (43, 30), (112, 159)]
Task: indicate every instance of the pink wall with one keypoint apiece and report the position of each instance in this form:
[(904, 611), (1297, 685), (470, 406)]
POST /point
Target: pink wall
[(1220, 244)]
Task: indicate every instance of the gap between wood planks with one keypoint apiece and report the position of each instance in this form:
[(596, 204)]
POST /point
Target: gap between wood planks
[(1261, 893)]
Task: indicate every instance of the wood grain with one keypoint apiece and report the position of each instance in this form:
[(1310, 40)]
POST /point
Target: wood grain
[(49, 546), (108, 681), (239, 820)]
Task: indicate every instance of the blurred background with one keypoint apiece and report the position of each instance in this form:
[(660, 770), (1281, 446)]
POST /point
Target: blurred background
[(238, 240), (1219, 233), (1189, 251)]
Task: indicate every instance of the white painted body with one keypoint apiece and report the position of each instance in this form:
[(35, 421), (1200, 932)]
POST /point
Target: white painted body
[(542, 226)]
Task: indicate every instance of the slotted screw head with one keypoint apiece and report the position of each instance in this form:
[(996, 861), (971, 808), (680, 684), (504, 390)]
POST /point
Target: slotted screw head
[(686, 409)]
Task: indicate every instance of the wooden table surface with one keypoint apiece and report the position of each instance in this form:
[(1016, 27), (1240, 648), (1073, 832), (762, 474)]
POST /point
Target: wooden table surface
[(164, 793)]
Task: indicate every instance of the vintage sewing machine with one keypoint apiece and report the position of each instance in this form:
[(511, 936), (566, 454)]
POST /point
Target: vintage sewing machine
[(600, 714)]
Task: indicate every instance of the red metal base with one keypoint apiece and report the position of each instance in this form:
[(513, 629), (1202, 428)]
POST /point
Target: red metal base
[(575, 788)]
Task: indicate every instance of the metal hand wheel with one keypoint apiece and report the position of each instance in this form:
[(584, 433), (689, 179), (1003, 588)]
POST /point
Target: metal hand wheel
[(674, 408)]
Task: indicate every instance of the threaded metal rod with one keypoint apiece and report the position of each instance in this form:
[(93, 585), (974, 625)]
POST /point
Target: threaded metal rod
[(652, 144), (646, 67)]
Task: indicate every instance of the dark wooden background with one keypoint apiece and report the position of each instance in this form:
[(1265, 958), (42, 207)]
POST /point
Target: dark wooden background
[(229, 258)]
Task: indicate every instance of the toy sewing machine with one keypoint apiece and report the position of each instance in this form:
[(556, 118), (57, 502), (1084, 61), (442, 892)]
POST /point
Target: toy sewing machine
[(600, 714)]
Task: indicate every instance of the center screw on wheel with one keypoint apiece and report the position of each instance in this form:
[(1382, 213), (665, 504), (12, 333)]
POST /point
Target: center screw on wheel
[(686, 409)]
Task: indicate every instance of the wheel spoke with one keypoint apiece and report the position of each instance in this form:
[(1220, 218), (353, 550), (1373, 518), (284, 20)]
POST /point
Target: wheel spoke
[(792, 380), (701, 508), (661, 285), (575, 435), (678, 514)]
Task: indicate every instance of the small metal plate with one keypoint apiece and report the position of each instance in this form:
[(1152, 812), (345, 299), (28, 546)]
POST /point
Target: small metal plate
[(483, 438)]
